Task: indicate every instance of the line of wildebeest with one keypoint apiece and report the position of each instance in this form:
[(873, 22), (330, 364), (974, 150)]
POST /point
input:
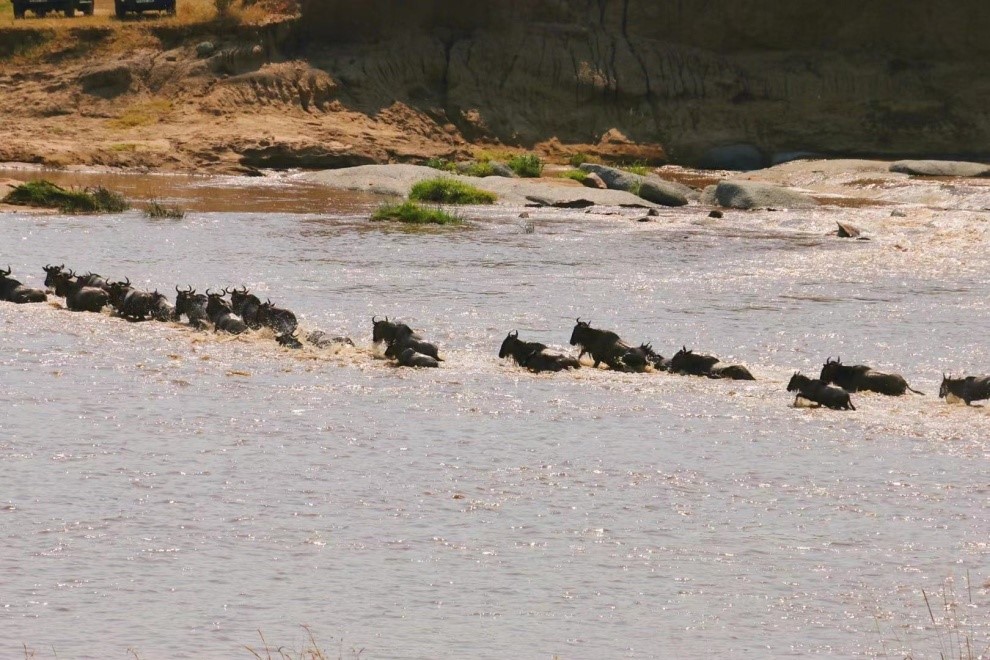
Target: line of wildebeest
[(244, 311)]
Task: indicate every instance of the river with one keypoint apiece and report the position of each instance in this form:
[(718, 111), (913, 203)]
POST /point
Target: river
[(170, 493)]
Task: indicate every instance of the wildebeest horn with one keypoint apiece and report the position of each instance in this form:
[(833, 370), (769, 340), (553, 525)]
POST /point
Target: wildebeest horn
[(244, 289), (208, 292), (128, 282), (268, 302), (514, 333), (374, 319), (5, 273)]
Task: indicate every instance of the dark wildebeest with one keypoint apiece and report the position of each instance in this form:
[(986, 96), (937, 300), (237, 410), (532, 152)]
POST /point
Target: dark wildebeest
[(281, 321), (13, 291), (606, 346), (688, 362), (289, 341), (696, 364), (222, 315), (131, 303), (94, 280), (969, 389), (410, 358), (321, 339), (161, 308), (659, 362), (819, 392), (854, 378), (78, 296), (247, 306), (193, 305), (398, 337), (534, 355)]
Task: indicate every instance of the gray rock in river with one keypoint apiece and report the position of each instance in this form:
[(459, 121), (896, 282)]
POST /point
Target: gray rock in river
[(594, 181), (940, 168), (752, 195), (651, 188), (740, 157)]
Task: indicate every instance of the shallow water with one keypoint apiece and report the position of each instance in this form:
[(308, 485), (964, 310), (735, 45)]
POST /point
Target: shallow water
[(174, 492)]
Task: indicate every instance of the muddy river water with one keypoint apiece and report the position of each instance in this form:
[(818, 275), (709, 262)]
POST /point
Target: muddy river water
[(170, 493)]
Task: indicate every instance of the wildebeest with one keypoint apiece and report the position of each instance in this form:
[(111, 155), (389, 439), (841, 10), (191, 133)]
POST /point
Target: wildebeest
[(410, 358), (819, 392), (289, 341), (321, 339), (534, 355), (659, 362), (246, 305), (94, 280), (13, 291), (398, 337), (222, 315), (606, 346), (969, 389), (161, 308), (52, 274), (131, 303), (281, 321), (854, 378), (686, 361), (193, 305), (78, 296)]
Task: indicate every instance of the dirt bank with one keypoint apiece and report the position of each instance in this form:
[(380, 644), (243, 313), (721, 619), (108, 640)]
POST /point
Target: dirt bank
[(351, 83)]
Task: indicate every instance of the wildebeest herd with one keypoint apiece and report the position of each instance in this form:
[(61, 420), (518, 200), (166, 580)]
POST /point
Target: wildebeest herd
[(243, 311)]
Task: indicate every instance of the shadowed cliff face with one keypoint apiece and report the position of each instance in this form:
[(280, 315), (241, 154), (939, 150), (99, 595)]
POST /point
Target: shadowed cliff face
[(883, 77)]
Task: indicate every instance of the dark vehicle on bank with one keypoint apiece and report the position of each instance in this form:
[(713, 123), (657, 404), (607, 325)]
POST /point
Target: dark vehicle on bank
[(123, 7), (41, 8)]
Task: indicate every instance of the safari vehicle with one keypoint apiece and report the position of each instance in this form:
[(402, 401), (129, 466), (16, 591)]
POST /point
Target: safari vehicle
[(122, 7), (42, 7)]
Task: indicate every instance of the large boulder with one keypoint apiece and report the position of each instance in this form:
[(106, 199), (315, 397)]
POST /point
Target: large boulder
[(752, 195), (651, 188), (940, 168)]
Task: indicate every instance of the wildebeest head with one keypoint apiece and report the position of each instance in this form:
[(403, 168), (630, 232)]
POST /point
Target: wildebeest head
[(831, 369), (580, 332), (382, 330), (118, 290), (508, 344), (289, 341), (947, 385), (797, 381), (51, 275)]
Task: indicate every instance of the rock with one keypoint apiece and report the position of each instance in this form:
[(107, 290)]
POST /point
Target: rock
[(715, 214), (645, 218), (897, 213), (651, 188), (205, 49), (560, 203), (524, 215), (788, 156), (707, 197), (940, 168), (501, 169), (653, 213), (107, 80), (752, 195), (740, 157), (594, 181), (846, 230)]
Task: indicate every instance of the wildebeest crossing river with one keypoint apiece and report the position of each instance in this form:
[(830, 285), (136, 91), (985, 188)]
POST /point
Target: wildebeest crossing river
[(174, 491)]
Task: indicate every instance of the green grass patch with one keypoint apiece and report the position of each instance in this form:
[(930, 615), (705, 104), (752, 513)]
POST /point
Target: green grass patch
[(528, 165), (641, 169), (580, 158), (414, 214), (441, 164), (443, 190), (479, 168), (164, 211), (576, 175), (45, 194)]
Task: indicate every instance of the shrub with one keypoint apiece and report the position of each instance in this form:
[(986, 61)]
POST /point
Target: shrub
[(480, 168), (443, 190), (165, 211), (414, 214), (579, 159), (637, 168), (46, 194), (528, 165)]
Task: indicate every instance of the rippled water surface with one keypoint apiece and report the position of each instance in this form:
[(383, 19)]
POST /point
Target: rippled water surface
[(173, 492)]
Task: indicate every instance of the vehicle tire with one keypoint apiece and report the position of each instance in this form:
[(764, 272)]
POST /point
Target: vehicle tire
[(88, 9), (119, 8), (18, 10)]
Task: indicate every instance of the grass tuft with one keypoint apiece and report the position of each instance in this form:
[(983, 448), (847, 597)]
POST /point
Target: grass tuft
[(143, 114), (580, 158), (164, 211), (479, 168), (639, 168), (441, 164), (528, 165), (414, 214), (45, 194), (443, 190), (576, 175)]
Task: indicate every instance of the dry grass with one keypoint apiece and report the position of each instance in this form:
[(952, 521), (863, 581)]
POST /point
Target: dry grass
[(310, 650), (143, 114)]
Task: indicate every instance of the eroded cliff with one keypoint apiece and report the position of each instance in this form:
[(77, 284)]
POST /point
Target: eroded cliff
[(881, 77)]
